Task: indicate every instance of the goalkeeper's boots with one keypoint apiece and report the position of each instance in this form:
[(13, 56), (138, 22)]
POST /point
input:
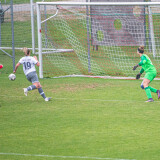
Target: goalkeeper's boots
[(47, 99), (150, 100), (25, 91), (158, 93)]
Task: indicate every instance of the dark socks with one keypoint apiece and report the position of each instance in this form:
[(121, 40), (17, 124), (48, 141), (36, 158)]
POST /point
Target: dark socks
[(40, 90), (32, 87)]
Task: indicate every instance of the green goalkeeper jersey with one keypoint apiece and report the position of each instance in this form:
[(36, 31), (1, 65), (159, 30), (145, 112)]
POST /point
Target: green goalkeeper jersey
[(146, 64)]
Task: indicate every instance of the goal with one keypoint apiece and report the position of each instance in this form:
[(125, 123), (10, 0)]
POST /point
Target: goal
[(96, 39)]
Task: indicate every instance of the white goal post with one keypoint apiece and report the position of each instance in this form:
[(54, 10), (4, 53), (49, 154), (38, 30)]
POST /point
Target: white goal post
[(96, 38)]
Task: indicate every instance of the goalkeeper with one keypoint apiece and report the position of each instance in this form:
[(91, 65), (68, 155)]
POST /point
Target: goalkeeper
[(151, 73)]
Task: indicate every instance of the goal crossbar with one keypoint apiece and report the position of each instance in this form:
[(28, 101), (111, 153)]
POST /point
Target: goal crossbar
[(100, 3)]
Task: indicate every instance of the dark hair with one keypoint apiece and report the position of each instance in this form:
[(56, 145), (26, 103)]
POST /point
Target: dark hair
[(141, 49), (28, 51)]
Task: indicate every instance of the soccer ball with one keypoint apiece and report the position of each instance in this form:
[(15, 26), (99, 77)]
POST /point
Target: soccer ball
[(12, 77)]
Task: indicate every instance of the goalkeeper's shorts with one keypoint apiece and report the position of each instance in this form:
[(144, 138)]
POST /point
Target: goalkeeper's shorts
[(150, 75)]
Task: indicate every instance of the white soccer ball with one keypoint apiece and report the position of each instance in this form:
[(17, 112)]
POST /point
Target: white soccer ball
[(12, 77)]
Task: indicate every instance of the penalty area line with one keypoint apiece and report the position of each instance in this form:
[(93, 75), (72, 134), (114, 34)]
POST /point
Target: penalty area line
[(104, 100), (73, 99), (54, 156)]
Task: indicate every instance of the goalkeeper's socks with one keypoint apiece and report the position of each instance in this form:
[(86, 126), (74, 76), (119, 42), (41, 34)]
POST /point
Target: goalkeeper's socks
[(32, 87), (148, 92), (40, 90), (152, 89)]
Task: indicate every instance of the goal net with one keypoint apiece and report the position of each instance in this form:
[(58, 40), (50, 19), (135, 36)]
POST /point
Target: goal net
[(96, 39)]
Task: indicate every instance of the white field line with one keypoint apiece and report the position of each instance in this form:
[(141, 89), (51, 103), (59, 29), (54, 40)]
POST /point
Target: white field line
[(54, 156), (89, 76), (73, 99)]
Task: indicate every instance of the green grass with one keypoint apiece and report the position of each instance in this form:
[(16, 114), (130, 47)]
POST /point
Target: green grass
[(87, 117)]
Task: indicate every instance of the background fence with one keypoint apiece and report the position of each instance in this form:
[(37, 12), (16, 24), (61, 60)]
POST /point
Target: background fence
[(22, 30)]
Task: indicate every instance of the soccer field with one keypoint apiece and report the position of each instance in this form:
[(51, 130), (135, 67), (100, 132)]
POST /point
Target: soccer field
[(87, 118)]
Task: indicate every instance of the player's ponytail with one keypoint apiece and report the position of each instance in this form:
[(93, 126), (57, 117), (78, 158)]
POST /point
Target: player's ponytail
[(141, 49), (28, 52)]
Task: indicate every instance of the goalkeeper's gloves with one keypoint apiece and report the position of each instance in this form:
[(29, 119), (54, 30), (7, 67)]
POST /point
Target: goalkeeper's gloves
[(138, 76), (134, 68)]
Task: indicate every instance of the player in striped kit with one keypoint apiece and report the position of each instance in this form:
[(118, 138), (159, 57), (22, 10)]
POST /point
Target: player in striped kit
[(29, 69)]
